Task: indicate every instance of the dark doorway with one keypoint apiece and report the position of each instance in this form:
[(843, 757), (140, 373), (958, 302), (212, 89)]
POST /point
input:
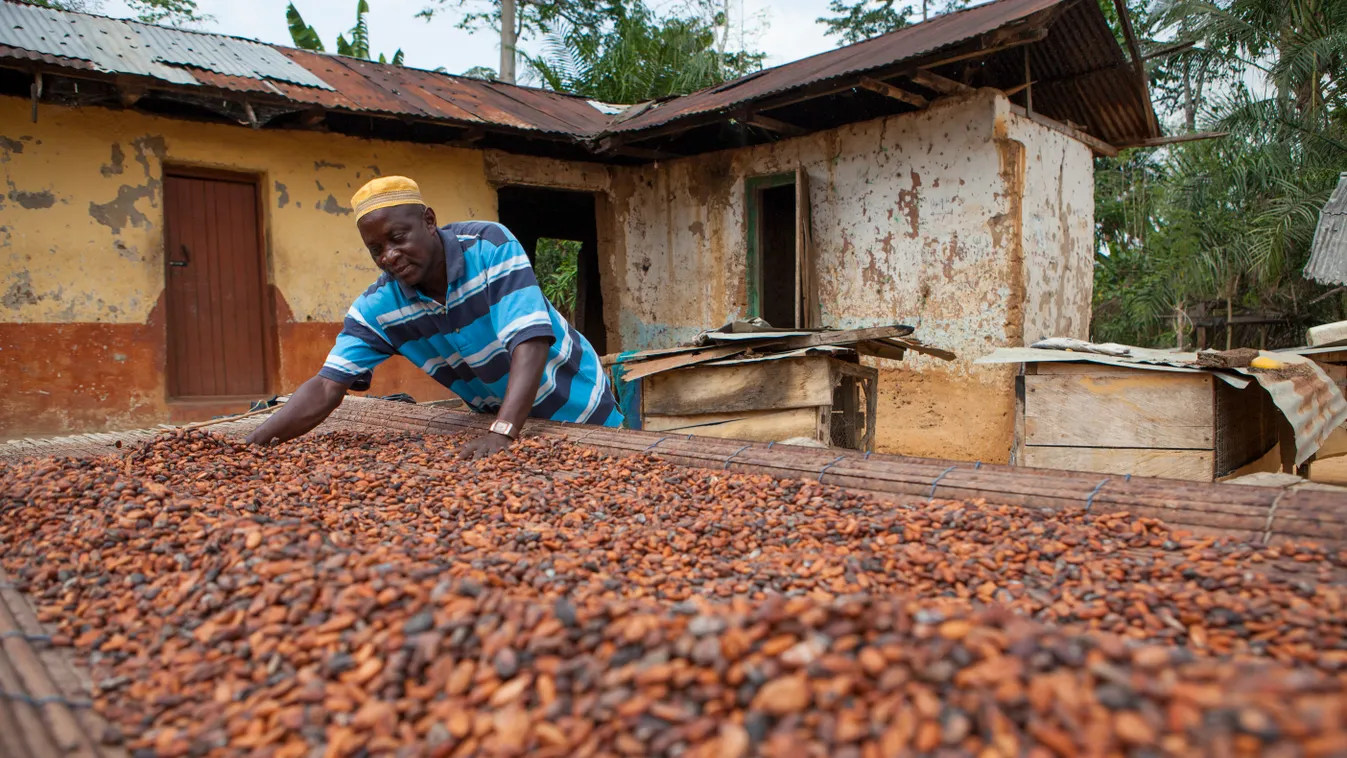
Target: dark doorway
[(778, 255), (217, 324), (773, 259), (562, 225)]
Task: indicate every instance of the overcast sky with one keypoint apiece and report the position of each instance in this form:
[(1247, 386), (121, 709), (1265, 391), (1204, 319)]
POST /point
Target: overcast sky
[(785, 29)]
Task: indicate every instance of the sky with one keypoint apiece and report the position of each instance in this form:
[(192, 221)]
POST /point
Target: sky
[(784, 29)]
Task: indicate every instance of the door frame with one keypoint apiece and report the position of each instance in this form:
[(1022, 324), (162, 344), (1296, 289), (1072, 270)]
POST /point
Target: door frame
[(270, 341), (753, 187)]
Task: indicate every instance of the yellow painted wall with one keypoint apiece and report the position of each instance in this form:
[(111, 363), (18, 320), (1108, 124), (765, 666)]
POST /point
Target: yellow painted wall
[(82, 338), (83, 211)]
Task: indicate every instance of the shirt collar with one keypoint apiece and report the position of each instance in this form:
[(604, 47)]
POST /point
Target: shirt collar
[(453, 264)]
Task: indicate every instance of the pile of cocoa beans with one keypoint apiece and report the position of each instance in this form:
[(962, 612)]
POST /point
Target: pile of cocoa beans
[(351, 594)]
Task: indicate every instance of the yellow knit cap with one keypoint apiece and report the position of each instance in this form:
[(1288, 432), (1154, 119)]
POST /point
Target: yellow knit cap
[(385, 192)]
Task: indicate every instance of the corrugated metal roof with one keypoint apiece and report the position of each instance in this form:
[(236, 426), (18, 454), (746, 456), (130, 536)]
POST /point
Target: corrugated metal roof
[(130, 47), (1110, 104), (1080, 71), (364, 86), (1328, 255)]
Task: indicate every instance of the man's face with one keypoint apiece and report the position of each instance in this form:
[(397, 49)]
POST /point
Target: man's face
[(403, 241)]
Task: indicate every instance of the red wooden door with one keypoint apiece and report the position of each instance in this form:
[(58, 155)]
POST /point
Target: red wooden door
[(216, 320)]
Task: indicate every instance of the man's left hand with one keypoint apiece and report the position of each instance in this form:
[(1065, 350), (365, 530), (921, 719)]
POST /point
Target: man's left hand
[(488, 444)]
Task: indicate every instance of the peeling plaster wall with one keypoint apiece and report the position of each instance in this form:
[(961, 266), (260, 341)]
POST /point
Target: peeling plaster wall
[(921, 218), (1058, 231), (81, 258)]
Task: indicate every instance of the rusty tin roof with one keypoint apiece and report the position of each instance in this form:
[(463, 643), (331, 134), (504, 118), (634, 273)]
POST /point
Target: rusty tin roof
[(1079, 69), (1080, 73)]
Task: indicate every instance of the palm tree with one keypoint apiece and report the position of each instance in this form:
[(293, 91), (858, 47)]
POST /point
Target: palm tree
[(306, 37), (1228, 224)]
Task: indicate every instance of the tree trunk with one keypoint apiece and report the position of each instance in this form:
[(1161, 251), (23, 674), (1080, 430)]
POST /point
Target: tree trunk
[(1189, 101), (507, 40), (1179, 328)]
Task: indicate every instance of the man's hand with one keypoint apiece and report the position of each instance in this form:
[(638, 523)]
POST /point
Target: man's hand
[(526, 372), (307, 408), (488, 444)]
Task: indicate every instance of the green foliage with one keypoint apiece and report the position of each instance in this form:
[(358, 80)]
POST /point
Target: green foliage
[(864, 19), (557, 264), (480, 72), (168, 12), (1225, 226), (164, 12), (532, 18), (636, 56), (306, 37)]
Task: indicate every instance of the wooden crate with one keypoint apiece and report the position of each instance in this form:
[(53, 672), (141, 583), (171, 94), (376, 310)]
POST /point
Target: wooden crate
[(1091, 417), (817, 397)]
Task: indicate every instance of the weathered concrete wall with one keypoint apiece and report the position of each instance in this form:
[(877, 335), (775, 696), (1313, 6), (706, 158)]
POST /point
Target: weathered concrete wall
[(922, 218), (82, 334), (1058, 213)]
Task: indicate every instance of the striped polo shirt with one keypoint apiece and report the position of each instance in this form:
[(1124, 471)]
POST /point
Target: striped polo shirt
[(493, 304)]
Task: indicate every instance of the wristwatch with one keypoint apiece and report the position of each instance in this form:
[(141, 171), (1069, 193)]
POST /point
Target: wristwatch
[(505, 428)]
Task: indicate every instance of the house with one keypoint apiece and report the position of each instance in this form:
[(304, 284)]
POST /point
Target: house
[(1328, 253), (175, 237)]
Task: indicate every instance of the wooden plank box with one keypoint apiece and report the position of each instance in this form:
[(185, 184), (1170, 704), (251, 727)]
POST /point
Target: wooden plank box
[(824, 399), (1091, 417)]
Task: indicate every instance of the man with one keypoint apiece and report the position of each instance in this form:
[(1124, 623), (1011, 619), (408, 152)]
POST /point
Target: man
[(463, 304)]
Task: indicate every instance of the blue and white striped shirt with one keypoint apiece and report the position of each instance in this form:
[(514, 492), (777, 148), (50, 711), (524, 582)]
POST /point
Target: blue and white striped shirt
[(492, 305)]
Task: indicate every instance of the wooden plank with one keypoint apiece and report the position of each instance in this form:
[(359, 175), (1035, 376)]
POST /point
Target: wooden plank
[(753, 426), (897, 93), (1017, 438), (1174, 139), (768, 385), (1147, 410), (1094, 143), (880, 349), (611, 359), (637, 370), (774, 125), (864, 373), (1097, 369), (805, 251), (919, 347), (941, 84), (845, 336), (871, 385), (1193, 465)]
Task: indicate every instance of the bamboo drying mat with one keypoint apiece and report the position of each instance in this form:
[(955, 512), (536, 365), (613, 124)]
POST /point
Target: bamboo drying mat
[(43, 695), (1265, 515), (45, 708)]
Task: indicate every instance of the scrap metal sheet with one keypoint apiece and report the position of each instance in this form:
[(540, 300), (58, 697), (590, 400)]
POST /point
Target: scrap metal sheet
[(1148, 360), (1311, 401)]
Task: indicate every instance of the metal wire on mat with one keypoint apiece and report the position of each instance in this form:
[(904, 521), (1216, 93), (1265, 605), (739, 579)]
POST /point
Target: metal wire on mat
[(726, 464), (44, 639), (1089, 501), (38, 702), (936, 483), (830, 465)]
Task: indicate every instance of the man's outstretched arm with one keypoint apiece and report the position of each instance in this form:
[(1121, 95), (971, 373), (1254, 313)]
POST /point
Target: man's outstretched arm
[(526, 373), (306, 408)]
